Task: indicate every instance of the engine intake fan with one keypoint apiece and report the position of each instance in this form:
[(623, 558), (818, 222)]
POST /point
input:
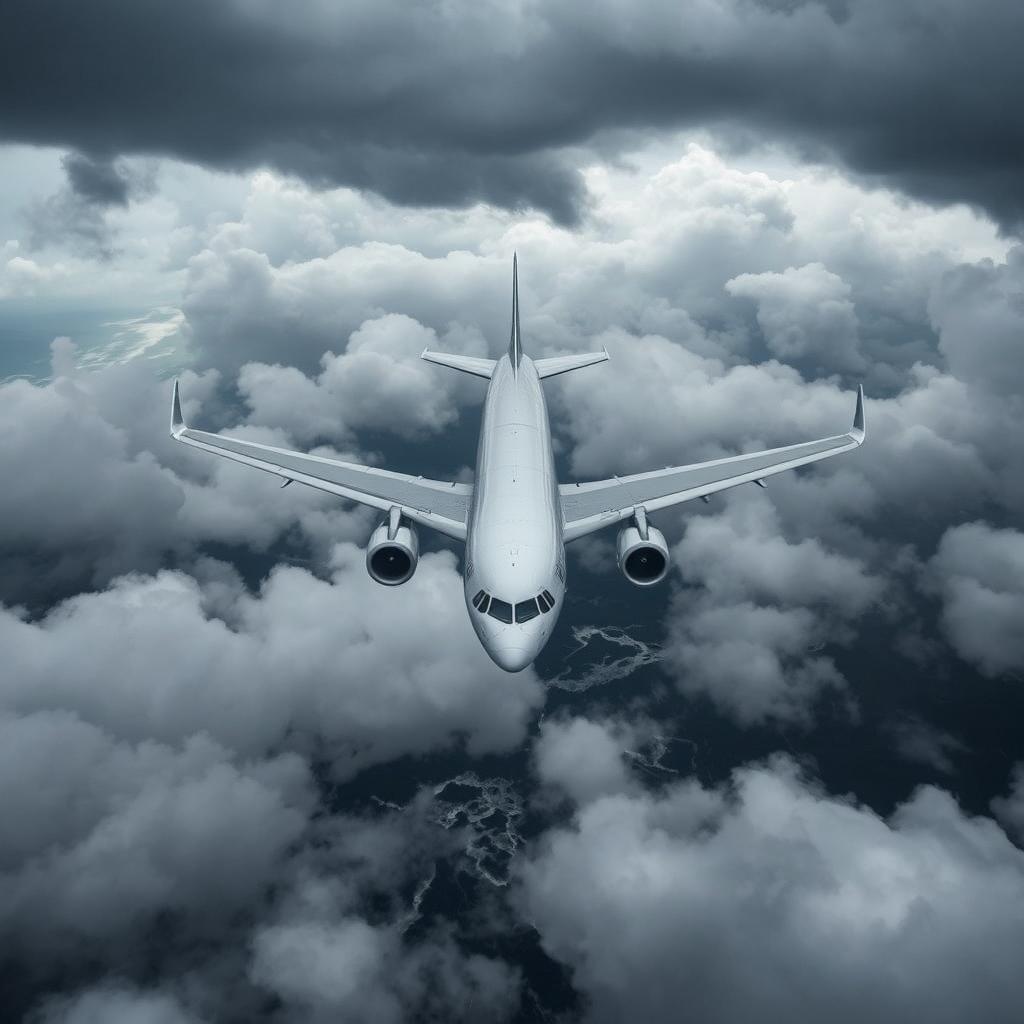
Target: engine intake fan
[(393, 551), (642, 552)]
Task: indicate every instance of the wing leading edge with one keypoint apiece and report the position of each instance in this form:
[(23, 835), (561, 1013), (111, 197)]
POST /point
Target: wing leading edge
[(591, 506), (434, 503)]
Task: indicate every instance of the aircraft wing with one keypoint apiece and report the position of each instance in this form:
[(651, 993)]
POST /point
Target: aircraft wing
[(444, 506), (591, 506)]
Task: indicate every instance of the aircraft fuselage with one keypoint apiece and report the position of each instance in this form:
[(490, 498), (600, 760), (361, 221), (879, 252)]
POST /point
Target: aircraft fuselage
[(514, 549)]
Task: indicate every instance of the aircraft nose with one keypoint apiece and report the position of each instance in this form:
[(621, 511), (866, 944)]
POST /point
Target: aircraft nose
[(510, 657)]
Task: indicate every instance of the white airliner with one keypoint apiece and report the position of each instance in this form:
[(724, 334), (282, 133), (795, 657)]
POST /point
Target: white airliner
[(516, 518)]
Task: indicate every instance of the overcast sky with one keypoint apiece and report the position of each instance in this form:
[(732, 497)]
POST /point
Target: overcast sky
[(755, 205)]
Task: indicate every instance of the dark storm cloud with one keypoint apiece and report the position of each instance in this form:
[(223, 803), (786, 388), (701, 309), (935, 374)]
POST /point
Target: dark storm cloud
[(77, 213), (449, 104), (96, 180)]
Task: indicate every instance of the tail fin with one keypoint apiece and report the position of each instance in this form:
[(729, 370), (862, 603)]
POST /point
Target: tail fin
[(515, 345)]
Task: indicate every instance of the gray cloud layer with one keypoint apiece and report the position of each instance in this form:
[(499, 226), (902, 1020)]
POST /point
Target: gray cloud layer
[(456, 103), (772, 900), (196, 888), (159, 731), (979, 574)]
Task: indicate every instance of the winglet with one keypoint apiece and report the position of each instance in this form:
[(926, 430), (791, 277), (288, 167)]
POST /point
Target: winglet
[(177, 420), (859, 432)]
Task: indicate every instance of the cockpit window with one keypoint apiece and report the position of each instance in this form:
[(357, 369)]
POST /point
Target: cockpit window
[(503, 610)]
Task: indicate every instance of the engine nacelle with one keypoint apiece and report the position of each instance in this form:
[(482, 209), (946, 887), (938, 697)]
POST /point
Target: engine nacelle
[(643, 562), (392, 561)]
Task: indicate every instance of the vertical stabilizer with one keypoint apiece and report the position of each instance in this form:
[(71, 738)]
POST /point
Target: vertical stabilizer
[(515, 345)]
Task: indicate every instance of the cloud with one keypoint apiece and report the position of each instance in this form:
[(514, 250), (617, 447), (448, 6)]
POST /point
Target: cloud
[(806, 316), (459, 105), (1009, 809), (344, 668), (77, 213), (279, 273), (936, 450), (175, 856), (922, 743), (240, 307), (696, 398), (377, 383), (158, 793), (583, 759), (750, 631), (717, 899), (115, 833), (978, 572), (338, 966), (98, 488), (740, 554), (187, 884), (185, 689), (979, 311), (111, 1005), (353, 969), (96, 180)]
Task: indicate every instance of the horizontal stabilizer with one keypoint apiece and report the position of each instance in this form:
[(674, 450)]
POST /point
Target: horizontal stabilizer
[(467, 364), (563, 364)]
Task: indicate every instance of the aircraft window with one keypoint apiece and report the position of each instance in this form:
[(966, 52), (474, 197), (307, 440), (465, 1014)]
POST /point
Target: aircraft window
[(547, 597), (527, 610), (545, 602), (500, 610), (480, 600)]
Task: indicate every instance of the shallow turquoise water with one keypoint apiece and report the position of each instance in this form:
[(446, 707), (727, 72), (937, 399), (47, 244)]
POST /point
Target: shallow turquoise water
[(27, 330)]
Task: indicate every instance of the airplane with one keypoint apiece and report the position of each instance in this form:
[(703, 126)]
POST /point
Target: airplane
[(516, 518)]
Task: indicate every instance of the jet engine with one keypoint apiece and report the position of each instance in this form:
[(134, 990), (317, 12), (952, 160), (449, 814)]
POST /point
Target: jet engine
[(642, 561), (392, 553)]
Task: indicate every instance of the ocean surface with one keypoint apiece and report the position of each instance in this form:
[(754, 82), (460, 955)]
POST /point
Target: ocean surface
[(102, 337)]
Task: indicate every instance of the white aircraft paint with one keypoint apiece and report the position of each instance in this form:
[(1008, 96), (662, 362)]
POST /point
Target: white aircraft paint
[(516, 517), (514, 538)]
